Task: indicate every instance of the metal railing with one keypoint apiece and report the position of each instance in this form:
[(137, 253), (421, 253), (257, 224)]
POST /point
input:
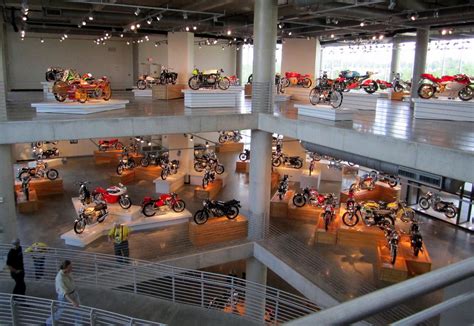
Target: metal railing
[(389, 297), (255, 302), (26, 310)]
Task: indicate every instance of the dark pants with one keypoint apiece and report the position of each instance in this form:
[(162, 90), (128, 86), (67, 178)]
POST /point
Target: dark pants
[(20, 286), (39, 266), (121, 250)]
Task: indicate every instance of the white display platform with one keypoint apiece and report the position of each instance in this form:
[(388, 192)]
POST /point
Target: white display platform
[(95, 231), (121, 215), (359, 100), (310, 181), (444, 109), (212, 98), (171, 184), (326, 173), (142, 92), (325, 112), (383, 94), (236, 88), (69, 107), (48, 90), (196, 178), (282, 97), (294, 175)]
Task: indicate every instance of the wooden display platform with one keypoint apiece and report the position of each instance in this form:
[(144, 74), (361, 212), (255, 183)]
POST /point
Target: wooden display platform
[(211, 191), (167, 92), (415, 265), (386, 271), (279, 208), (44, 187), (307, 213), (242, 167), (382, 191), (149, 173), (248, 90), (398, 96), (218, 229), (107, 157), (128, 176), (275, 179), (360, 235), (230, 147), (26, 207), (329, 236)]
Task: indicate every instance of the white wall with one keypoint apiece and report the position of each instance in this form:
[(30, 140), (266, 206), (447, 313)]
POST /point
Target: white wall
[(212, 57), (151, 56), (299, 55), (28, 60)]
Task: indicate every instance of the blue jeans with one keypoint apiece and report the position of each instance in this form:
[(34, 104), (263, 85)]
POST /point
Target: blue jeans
[(60, 309)]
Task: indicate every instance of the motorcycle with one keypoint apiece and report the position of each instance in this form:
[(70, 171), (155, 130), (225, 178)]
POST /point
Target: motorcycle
[(125, 163), (309, 195), (349, 80), (291, 161), (153, 158), (82, 89), (234, 81), (383, 85), (25, 187), (40, 171), (416, 240), (217, 209), (245, 155), (168, 77), (393, 238), (87, 215), (105, 145), (168, 168), (45, 154), (113, 195), (329, 210), (391, 180), (227, 136), (370, 213), (329, 96), (146, 81), (211, 79), (434, 201), (283, 187), (208, 161), (400, 85), (351, 201), (458, 85), (400, 210), (209, 177), (54, 73), (169, 201), (294, 78), (84, 194), (365, 182)]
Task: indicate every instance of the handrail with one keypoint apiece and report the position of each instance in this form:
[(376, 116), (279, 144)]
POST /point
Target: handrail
[(386, 298), (175, 284), (28, 310)]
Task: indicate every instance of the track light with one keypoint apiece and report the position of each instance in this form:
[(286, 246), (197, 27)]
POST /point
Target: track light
[(436, 14), (194, 28), (332, 35), (229, 32), (149, 143), (185, 15), (138, 26), (191, 138), (149, 21), (65, 35), (158, 18), (362, 24), (328, 20), (132, 27), (42, 40), (413, 16), (91, 18), (121, 35), (381, 37), (215, 41), (84, 23), (187, 28), (392, 4), (223, 48), (289, 33), (137, 12), (24, 18), (207, 144), (280, 26)]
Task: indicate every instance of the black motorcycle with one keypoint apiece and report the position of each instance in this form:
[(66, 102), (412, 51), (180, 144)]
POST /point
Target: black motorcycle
[(291, 161), (40, 171), (153, 158), (283, 187), (209, 177), (208, 161), (212, 80), (393, 239), (45, 154), (416, 240), (434, 201), (168, 77), (54, 73), (168, 168), (391, 180), (400, 85), (126, 163), (84, 194), (217, 209), (245, 155)]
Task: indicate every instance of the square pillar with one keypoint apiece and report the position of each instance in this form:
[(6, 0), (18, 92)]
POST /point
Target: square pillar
[(180, 148), (8, 230), (181, 54), (299, 55)]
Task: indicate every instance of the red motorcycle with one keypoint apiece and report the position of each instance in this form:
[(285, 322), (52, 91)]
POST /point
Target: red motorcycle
[(459, 85), (113, 195), (234, 81), (309, 195), (383, 85), (82, 89), (329, 210), (109, 144), (167, 201), (294, 78), (351, 202), (349, 80)]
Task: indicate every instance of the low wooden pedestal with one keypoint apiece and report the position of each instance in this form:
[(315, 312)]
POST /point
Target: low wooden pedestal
[(382, 191), (386, 271), (128, 176), (415, 265), (275, 179), (107, 157), (149, 173), (248, 90), (398, 96), (44, 187), (218, 229), (242, 167), (279, 208), (360, 235), (307, 213), (26, 207), (167, 92), (329, 236), (230, 147), (211, 191)]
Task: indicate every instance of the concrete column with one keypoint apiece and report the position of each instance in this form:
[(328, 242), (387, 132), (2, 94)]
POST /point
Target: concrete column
[(7, 199), (3, 72), (238, 65), (181, 54), (256, 272), (421, 50), (135, 63), (259, 184), (265, 31), (395, 58), (318, 61), (180, 148)]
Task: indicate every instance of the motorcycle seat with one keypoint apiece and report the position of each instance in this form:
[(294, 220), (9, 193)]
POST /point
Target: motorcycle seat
[(113, 190), (100, 206)]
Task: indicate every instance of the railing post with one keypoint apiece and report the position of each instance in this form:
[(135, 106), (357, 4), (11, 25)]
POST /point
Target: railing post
[(132, 322), (135, 279), (172, 284), (277, 304), (202, 290), (92, 317), (53, 320), (96, 270), (13, 310)]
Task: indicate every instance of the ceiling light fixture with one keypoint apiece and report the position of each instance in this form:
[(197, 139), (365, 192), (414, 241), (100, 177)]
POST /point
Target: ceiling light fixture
[(128, 43), (137, 12), (413, 16), (24, 18), (194, 28), (280, 26), (207, 144), (149, 21), (84, 23), (132, 27), (91, 18), (42, 40), (158, 18), (215, 41), (289, 33), (381, 36), (229, 32), (138, 26), (332, 35), (187, 28), (65, 35), (121, 35), (185, 15), (362, 24), (191, 138)]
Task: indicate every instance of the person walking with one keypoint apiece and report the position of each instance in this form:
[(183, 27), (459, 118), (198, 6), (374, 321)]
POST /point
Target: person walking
[(66, 291), (17, 269), (38, 250), (119, 235)]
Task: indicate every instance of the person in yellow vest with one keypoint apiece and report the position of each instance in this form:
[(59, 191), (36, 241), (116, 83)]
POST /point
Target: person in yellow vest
[(37, 251), (119, 235)]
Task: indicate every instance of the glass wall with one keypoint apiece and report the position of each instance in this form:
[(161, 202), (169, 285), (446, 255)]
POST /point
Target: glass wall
[(247, 60)]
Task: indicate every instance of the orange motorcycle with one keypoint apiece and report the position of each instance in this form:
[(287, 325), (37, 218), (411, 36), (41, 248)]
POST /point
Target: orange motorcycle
[(83, 89)]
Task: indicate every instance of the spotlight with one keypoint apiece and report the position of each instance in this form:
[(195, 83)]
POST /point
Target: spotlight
[(187, 28), (142, 141), (207, 144), (413, 16), (91, 18), (332, 35), (121, 35), (158, 18), (84, 23), (280, 26), (185, 15), (235, 39), (362, 24), (450, 32), (138, 26), (237, 48), (381, 37), (215, 41), (107, 34), (149, 143), (149, 21), (229, 32), (24, 18), (194, 28), (374, 37), (132, 27), (223, 48), (392, 4), (137, 12), (436, 14), (335, 21), (42, 41), (245, 40), (289, 33), (156, 45), (191, 138), (65, 35), (444, 32), (328, 20)]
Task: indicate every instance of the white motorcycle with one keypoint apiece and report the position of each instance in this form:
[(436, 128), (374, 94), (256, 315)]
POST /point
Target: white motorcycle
[(231, 135)]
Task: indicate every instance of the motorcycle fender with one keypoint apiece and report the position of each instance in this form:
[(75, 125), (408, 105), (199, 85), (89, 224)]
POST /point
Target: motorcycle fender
[(367, 82)]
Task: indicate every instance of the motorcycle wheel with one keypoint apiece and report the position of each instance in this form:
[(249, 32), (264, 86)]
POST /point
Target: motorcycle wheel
[(424, 203), (52, 174), (224, 83), (222, 139), (102, 148), (450, 212), (107, 92), (79, 226), (194, 83), (232, 212), (299, 200), (426, 91), (243, 157), (198, 167), (285, 82), (179, 206), (120, 169), (336, 99), (82, 96), (50, 76), (141, 84), (149, 209), (23, 174), (373, 174), (118, 146), (416, 251), (315, 96), (101, 218), (393, 254), (327, 219), (144, 162), (392, 182), (60, 97), (201, 217), (307, 83), (466, 93), (389, 219), (219, 169), (250, 79), (298, 164), (398, 88), (276, 162), (350, 219), (371, 88), (125, 202), (164, 174), (407, 216)]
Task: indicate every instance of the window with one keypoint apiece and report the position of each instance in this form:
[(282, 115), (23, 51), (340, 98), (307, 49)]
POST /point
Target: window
[(247, 60)]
